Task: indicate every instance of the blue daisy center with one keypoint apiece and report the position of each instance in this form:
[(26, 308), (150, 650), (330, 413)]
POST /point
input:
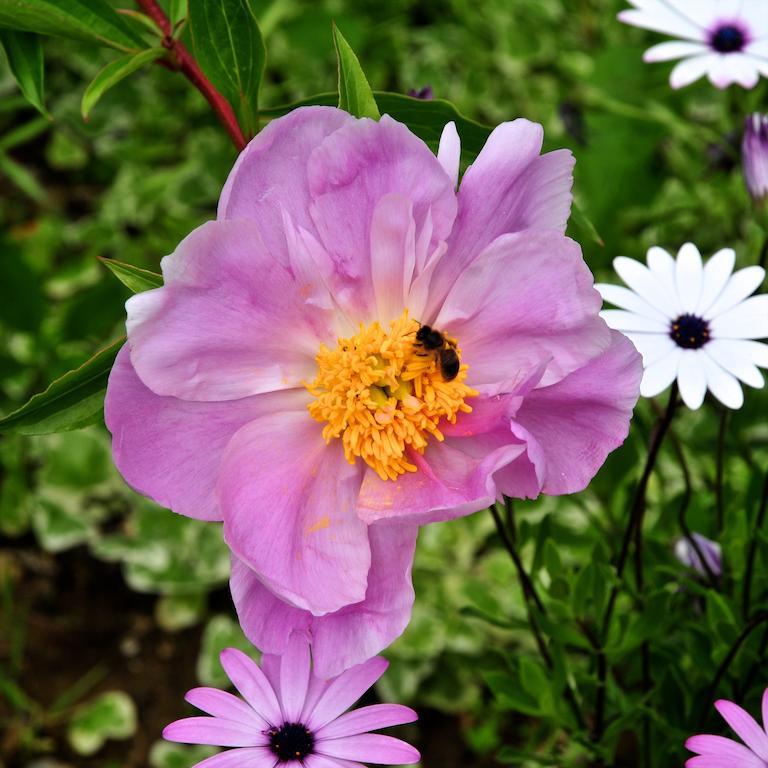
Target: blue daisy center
[(291, 741), (728, 39), (689, 331)]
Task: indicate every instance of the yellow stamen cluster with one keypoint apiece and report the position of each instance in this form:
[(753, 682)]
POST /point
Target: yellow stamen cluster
[(382, 393)]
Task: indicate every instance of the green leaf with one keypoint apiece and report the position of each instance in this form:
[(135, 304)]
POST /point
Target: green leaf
[(109, 716), (425, 118), (113, 73), (25, 58), (22, 178), (584, 224), (164, 754), (355, 94), (230, 50), (72, 401), (178, 11), (93, 21), (135, 278)]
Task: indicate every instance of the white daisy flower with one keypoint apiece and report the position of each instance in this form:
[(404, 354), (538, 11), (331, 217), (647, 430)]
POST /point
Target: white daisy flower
[(727, 40), (692, 322)]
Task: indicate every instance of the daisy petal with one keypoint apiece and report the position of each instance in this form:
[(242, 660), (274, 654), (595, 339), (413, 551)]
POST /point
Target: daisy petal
[(665, 21), (736, 357), (652, 346), (620, 320), (646, 284), (689, 277), (727, 751), (723, 385), (629, 300), (691, 378), (367, 719), (674, 49), (371, 747), (254, 757), (321, 761), (741, 285), (658, 376), (716, 273), (716, 761), (218, 703), (745, 726), (764, 708), (748, 320), (345, 690), (294, 677), (212, 730), (690, 70), (252, 684)]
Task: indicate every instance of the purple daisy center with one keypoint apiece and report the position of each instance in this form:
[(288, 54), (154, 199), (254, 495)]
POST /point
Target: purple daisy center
[(291, 741), (689, 331), (728, 38)]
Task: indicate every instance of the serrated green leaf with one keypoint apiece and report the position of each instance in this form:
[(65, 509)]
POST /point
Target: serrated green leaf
[(25, 58), (134, 278), (355, 94), (113, 73), (109, 716), (94, 21), (425, 118), (230, 50), (72, 401)]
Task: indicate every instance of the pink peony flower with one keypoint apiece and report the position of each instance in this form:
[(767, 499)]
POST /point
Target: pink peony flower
[(278, 380), (291, 717), (719, 752)]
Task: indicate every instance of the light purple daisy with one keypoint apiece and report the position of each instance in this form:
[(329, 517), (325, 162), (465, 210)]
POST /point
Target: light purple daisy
[(754, 154), (290, 717), (720, 752)]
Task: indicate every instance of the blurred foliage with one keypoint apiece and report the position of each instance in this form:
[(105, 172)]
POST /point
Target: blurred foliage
[(654, 167)]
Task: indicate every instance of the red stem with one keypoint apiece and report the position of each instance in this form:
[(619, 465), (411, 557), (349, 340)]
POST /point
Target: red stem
[(190, 69)]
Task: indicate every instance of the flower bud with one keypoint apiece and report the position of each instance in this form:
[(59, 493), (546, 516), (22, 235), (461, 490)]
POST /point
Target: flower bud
[(754, 154), (709, 550)]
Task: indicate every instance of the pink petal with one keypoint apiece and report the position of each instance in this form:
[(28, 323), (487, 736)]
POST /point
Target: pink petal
[(393, 255), (349, 174), (170, 449), (218, 703), (527, 299), (764, 707), (367, 719), (509, 188), (217, 329), (745, 726), (294, 677), (288, 502), (252, 684), (321, 761), (349, 636), (570, 427), (212, 730), (730, 753), (271, 173), (449, 152), (345, 690), (372, 748), (254, 757)]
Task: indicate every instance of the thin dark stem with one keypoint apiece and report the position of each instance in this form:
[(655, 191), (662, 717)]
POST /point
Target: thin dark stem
[(681, 513), (750, 566), (719, 470), (636, 515), (752, 625), (190, 69), (533, 602)]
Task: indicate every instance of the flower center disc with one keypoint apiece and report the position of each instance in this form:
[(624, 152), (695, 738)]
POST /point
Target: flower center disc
[(292, 741), (689, 331), (382, 393), (728, 39)]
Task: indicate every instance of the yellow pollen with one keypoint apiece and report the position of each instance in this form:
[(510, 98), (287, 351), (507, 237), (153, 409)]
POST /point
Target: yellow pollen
[(383, 395)]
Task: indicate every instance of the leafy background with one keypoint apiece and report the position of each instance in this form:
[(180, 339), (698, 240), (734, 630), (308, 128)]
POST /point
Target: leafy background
[(111, 608)]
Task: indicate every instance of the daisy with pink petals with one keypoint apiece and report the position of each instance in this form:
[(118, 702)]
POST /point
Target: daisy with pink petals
[(288, 716), (280, 380), (720, 752)]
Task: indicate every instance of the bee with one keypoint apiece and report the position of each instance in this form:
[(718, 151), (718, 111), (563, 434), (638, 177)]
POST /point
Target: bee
[(444, 350)]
